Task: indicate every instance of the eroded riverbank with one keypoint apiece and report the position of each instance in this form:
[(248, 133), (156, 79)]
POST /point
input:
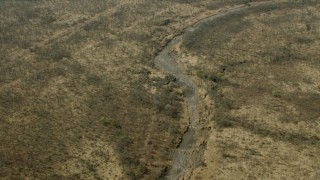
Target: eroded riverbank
[(187, 156)]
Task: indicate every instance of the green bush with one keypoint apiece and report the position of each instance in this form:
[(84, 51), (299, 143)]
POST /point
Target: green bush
[(275, 94)]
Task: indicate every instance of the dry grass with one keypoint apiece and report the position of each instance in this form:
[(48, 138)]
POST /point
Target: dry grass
[(80, 97), (262, 70), (75, 78)]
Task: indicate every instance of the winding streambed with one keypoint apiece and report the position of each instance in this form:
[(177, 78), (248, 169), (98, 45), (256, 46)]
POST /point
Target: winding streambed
[(184, 155), (166, 62)]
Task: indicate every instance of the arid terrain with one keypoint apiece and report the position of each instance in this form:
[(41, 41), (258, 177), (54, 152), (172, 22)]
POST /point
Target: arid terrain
[(147, 89)]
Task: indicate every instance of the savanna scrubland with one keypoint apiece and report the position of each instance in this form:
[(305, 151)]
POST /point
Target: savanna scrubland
[(82, 98)]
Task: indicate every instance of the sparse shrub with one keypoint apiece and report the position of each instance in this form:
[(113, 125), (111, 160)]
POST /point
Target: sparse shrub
[(55, 53), (93, 79), (214, 77), (47, 19), (106, 123), (94, 25), (275, 94), (59, 53), (116, 124), (227, 104), (201, 74), (25, 44), (106, 92), (224, 120)]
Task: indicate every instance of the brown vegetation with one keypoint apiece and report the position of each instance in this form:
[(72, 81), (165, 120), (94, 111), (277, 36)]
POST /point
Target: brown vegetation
[(80, 97)]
